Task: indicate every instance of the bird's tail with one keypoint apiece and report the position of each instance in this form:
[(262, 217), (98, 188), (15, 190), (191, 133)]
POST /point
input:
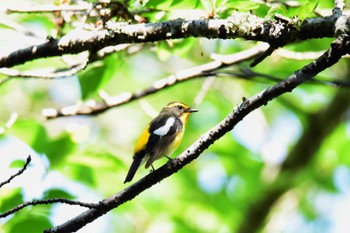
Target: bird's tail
[(133, 168)]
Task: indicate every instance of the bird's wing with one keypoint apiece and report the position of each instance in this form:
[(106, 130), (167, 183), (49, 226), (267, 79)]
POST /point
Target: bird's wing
[(162, 131)]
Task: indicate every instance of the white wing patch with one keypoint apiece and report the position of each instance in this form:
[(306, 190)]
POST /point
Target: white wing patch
[(161, 131)]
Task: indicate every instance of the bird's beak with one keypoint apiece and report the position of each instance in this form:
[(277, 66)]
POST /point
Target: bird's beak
[(192, 110)]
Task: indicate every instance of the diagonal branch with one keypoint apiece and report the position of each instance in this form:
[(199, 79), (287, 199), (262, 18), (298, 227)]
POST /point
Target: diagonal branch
[(93, 107), (264, 55), (238, 25), (329, 58), (248, 74), (29, 159)]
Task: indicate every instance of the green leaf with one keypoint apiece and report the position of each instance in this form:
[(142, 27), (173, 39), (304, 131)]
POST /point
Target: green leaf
[(29, 224), (159, 4), (185, 4), (99, 75), (19, 163), (207, 5), (179, 48), (57, 193), (98, 158), (243, 5), (82, 173), (305, 10), (55, 149), (36, 136), (282, 10), (37, 20), (28, 130), (10, 199), (90, 80)]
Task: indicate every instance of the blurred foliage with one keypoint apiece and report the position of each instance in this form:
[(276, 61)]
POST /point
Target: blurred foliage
[(86, 158)]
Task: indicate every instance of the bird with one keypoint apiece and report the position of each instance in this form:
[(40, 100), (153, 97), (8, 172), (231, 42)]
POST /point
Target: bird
[(161, 137)]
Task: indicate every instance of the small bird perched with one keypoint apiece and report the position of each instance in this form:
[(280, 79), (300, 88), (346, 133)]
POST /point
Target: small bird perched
[(161, 137)]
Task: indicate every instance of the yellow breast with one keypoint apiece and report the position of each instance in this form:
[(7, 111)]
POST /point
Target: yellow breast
[(175, 144)]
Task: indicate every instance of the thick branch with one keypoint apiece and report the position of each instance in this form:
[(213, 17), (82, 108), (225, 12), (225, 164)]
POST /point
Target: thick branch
[(326, 60), (242, 25)]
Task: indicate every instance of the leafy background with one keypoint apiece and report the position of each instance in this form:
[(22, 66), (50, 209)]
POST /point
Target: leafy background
[(87, 158)]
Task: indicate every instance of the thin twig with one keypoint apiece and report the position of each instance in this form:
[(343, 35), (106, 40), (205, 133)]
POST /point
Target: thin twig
[(47, 202), (206, 86), (298, 55), (19, 28), (249, 74), (264, 55), (11, 121), (45, 73), (29, 159), (93, 107)]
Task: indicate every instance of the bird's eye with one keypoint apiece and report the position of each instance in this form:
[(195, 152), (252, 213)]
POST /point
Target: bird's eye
[(180, 107)]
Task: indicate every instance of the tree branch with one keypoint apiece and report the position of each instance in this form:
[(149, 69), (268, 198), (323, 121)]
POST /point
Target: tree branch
[(264, 55), (45, 73), (238, 25), (329, 58), (10, 122), (248, 74), (93, 107), (29, 159), (47, 202)]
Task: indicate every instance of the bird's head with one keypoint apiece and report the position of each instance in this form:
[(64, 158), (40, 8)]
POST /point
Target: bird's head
[(179, 109)]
